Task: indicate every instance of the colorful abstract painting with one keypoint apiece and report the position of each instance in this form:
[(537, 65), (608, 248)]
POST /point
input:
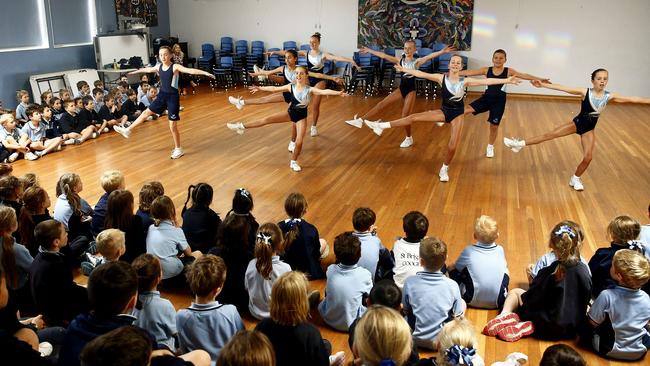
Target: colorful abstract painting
[(388, 23), (144, 11)]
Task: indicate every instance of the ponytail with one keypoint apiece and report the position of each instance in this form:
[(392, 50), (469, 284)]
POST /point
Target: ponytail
[(566, 238), (292, 234), (7, 224), (267, 243), (189, 194)]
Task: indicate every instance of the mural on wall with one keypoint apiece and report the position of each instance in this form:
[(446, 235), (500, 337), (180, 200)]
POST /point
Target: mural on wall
[(144, 12), (388, 23)]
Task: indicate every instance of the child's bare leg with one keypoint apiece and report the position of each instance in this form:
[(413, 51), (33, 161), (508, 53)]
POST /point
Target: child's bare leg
[(141, 118), (391, 98), (454, 138), (197, 358), (301, 128), (274, 118), (428, 116), (588, 141), (272, 98), (176, 135), (87, 133), (52, 144), (294, 132), (513, 301), (494, 130), (407, 109), (563, 130)]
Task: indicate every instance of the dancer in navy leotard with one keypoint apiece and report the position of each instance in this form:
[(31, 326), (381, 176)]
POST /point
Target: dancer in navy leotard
[(452, 111), (168, 97), (301, 97), (594, 100), (406, 91)]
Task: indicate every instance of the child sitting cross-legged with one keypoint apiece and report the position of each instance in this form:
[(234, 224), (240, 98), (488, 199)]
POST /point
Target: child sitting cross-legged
[(110, 247), (36, 132), (406, 251), (12, 140), (374, 256)]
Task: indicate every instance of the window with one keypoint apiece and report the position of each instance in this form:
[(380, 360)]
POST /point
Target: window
[(72, 22), (23, 25)]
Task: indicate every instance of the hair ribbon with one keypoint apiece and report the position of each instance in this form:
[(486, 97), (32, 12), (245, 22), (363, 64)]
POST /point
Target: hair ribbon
[(565, 229), (266, 239), (457, 355)]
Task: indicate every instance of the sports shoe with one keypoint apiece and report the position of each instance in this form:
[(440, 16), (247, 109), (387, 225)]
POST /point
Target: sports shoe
[(513, 333), (31, 156), (294, 166), (177, 153), (12, 157), (440, 124), (122, 131), (444, 174), (493, 327), (256, 70), (68, 142), (356, 122), (105, 130), (237, 102), (77, 142), (514, 144), (45, 349), (374, 126), (236, 126), (150, 118), (292, 146), (39, 153), (337, 359), (94, 135), (408, 142), (313, 131), (489, 152), (576, 183), (180, 108)]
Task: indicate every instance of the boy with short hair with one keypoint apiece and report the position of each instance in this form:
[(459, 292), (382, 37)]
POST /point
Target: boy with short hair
[(53, 289), (12, 140), (83, 89), (481, 270), (72, 127), (110, 114), (36, 132), (374, 256), (347, 284), (110, 181), (406, 251), (430, 298), (206, 324), (51, 124), (98, 98), (88, 116), (21, 109), (142, 89), (110, 247), (98, 84), (147, 99), (149, 192), (130, 106)]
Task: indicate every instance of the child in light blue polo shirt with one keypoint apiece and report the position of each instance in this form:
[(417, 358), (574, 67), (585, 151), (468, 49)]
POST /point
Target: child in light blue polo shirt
[(374, 256), (36, 132), (23, 103), (430, 299), (481, 270), (347, 284), (621, 314), (207, 324)]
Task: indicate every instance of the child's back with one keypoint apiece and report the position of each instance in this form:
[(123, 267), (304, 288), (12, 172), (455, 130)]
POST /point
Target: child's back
[(303, 254), (482, 275), (165, 241), (407, 260)]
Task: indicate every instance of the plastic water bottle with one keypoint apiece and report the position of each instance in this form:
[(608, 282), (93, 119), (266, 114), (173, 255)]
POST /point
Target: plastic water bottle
[(115, 64)]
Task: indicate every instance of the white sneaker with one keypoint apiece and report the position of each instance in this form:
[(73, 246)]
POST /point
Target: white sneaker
[(237, 102), (150, 118), (177, 153), (94, 135), (181, 108), (294, 166), (105, 130), (45, 348), (256, 70), (68, 142), (374, 126), (440, 124), (489, 152), (514, 144), (31, 156), (236, 126), (12, 157), (576, 183), (292, 146), (122, 131), (313, 131), (444, 174), (408, 142), (337, 359), (356, 122)]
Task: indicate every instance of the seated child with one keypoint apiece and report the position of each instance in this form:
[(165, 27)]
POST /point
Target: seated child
[(78, 104), (148, 98), (98, 98), (264, 269), (242, 205), (70, 209), (71, 126), (620, 314), (14, 257), (46, 97), (481, 270), (98, 84), (406, 251), (207, 324), (110, 114), (247, 348), (65, 95), (561, 355), (110, 181), (52, 126), (12, 140), (36, 132), (88, 116), (200, 222), (130, 106), (426, 313), (154, 313), (83, 89), (304, 249), (458, 344), (110, 247), (21, 110), (149, 192), (382, 337), (143, 88), (374, 256), (347, 284), (57, 108), (555, 304)]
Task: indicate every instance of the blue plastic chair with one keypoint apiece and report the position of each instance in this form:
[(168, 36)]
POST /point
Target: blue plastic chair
[(305, 47), (289, 45)]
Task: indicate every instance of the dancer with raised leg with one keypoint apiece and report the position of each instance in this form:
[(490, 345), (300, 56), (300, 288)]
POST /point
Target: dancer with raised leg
[(301, 94), (168, 96), (406, 91), (594, 100), (453, 106), (494, 98)]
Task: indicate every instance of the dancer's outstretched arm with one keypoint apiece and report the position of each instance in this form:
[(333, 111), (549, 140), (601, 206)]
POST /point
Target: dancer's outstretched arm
[(329, 56), (191, 71), (526, 76), (277, 70), (254, 89), (144, 70), (340, 93), (433, 55), (420, 74), (380, 54), (319, 75), (625, 99), (492, 81), (566, 89), (476, 72)]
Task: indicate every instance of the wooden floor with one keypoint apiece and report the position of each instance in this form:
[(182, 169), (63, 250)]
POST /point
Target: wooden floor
[(344, 168)]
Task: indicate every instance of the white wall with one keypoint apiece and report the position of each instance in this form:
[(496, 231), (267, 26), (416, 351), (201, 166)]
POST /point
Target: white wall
[(561, 39)]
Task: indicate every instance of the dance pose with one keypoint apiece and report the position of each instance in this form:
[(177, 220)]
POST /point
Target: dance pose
[(316, 62), (494, 98), (168, 96), (406, 87), (453, 105), (594, 100), (301, 94)]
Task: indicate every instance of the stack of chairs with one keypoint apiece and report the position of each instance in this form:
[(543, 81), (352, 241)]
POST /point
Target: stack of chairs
[(388, 71), (223, 73), (365, 74), (207, 58), (239, 62), (376, 63), (425, 86), (256, 56), (302, 60), (227, 47), (343, 70)]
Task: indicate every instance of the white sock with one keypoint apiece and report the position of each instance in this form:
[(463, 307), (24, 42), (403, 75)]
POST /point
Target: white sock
[(242, 102), (575, 177), (384, 124), (445, 166), (241, 125), (490, 145), (292, 162)]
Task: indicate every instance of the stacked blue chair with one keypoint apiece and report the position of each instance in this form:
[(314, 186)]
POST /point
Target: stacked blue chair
[(418, 43), (302, 60), (342, 69), (206, 60), (289, 45), (241, 47), (227, 46), (256, 56), (388, 71), (425, 85), (305, 47), (365, 74), (223, 73), (376, 62)]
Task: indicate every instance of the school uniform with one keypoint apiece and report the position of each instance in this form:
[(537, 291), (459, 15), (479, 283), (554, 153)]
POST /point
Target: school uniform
[(70, 123), (208, 327), (98, 105), (97, 224), (430, 299), (407, 260), (557, 308), (23, 262), (304, 253), (547, 259), (165, 241), (34, 133), (51, 128), (87, 117), (21, 111), (105, 114), (298, 345), (200, 226), (482, 275), (4, 134), (135, 240), (259, 288), (146, 218), (494, 98), (129, 108), (236, 258), (346, 290), (374, 255), (145, 102), (644, 237), (600, 264), (453, 94), (158, 317)]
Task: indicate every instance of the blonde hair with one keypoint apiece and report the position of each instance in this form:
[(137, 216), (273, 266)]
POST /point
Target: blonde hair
[(633, 267), (111, 180), (622, 229), (110, 242), (566, 239), (20, 93), (486, 230), (206, 274), (382, 334), (29, 180), (433, 253), (289, 304), (458, 331), (247, 348), (7, 117)]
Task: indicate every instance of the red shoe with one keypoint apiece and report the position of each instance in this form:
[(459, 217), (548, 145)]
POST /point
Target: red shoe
[(513, 333), (493, 327)]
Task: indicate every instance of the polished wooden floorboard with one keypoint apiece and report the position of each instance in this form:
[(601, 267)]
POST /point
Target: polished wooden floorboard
[(345, 167)]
